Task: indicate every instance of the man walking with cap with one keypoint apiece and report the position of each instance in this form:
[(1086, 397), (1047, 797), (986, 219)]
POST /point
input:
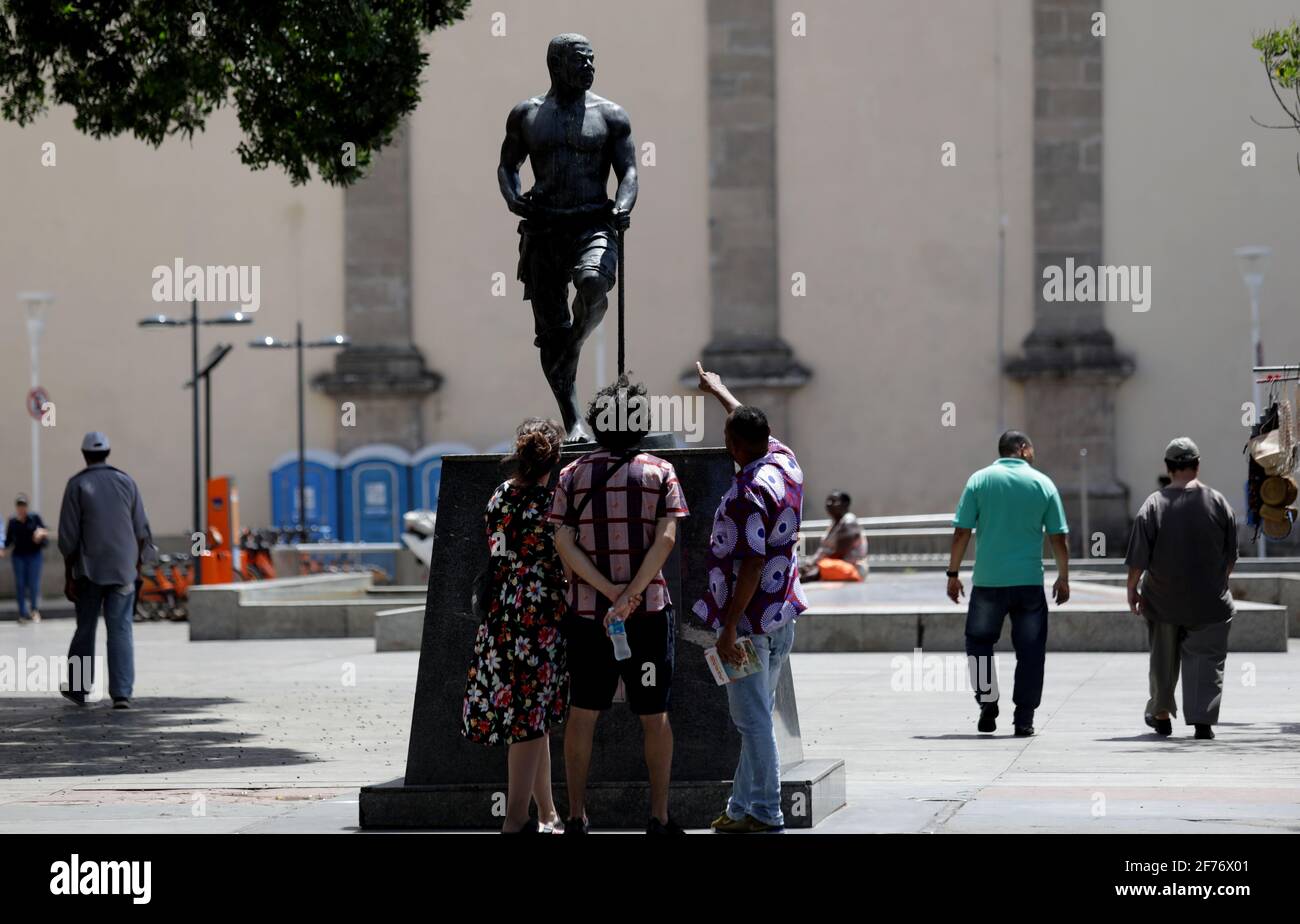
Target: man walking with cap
[(1184, 541), (103, 535)]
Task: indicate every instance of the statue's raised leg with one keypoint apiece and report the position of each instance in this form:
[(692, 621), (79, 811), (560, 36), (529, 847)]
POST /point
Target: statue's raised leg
[(589, 305)]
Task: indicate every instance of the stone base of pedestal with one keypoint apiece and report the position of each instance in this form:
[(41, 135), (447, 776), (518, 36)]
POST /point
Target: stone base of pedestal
[(453, 783), (810, 790)]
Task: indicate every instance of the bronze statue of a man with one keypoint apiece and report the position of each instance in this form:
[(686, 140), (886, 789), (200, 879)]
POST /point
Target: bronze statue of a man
[(571, 138)]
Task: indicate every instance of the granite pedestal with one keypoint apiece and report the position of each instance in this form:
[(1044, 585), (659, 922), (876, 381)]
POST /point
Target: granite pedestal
[(453, 783)]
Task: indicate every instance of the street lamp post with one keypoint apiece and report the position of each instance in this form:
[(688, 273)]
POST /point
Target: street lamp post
[(1252, 261), (298, 345), (193, 322), (1083, 501), (35, 303), (219, 352)]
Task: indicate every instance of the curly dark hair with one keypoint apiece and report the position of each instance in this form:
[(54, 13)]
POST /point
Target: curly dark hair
[(619, 415), (537, 448)]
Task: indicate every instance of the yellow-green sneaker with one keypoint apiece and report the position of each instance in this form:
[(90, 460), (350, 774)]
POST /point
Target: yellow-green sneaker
[(725, 824)]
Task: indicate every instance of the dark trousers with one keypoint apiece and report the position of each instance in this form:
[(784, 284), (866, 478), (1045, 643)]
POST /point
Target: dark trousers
[(27, 583), (117, 602), (1027, 607), (1198, 653)]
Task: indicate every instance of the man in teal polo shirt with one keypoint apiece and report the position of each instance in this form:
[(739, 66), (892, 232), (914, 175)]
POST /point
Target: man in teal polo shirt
[(1009, 504)]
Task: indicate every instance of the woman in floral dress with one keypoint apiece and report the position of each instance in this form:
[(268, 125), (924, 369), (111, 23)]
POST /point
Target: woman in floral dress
[(518, 684)]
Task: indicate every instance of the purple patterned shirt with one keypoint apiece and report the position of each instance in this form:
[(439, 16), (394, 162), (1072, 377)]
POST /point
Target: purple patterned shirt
[(759, 515)]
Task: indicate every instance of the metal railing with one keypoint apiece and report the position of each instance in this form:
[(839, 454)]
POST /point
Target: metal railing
[(922, 524)]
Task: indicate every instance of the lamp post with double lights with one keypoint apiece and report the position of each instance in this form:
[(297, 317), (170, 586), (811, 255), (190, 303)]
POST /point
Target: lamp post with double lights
[(298, 345), (213, 359), (193, 322)]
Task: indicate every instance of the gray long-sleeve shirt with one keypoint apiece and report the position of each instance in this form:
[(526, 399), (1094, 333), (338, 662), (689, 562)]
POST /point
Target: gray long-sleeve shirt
[(102, 526)]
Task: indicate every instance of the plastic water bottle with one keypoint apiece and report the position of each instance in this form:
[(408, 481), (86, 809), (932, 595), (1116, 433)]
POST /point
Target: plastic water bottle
[(618, 635)]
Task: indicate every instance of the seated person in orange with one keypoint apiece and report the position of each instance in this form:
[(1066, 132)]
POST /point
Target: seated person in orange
[(842, 555)]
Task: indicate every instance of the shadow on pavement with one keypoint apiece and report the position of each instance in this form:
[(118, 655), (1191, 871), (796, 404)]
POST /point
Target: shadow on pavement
[(980, 736), (1259, 736), (44, 736)]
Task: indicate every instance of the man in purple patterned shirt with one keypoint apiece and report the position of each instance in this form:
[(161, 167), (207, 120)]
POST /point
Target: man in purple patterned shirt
[(754, 592)]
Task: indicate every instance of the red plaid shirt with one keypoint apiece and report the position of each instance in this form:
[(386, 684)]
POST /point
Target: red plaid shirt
[(617, 527)]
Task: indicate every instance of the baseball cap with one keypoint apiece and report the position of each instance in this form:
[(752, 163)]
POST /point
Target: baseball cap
[(94, 441), (1182, 450), (20, 499)]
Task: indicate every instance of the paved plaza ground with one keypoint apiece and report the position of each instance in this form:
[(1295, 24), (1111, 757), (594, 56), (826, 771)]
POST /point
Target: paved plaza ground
[(270, 736)]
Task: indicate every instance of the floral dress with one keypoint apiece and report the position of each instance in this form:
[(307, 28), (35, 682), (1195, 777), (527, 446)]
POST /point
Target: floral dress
[(518, 684)]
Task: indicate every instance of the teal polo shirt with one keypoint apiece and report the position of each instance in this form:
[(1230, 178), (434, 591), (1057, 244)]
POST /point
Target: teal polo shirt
[(1009, 504)]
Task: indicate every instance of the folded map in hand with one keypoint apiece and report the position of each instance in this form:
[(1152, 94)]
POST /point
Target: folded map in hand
[(724, 673)]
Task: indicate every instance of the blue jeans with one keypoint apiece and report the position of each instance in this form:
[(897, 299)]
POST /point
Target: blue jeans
[(27, 583), (117, 602), (1027, 607), (756, 789)]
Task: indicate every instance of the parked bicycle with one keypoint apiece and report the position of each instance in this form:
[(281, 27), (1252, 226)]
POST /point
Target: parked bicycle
[(163, 589)]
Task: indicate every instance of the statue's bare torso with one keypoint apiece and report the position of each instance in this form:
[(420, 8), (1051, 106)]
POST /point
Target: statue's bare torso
[(569, 149)]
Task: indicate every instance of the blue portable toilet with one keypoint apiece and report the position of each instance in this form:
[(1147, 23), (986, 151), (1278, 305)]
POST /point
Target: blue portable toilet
[(321, 490), (375, 484), (426, 472)]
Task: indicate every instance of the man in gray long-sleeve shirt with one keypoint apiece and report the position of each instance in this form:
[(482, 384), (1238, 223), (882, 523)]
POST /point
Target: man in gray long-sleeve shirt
[(103, 535)]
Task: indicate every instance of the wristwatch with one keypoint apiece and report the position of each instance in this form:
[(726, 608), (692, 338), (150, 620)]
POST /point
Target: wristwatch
[(952, 573)]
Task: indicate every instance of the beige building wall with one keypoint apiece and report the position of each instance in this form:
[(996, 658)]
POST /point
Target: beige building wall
[(1177, 198), (91, 229), (900, 252), (650, 58)]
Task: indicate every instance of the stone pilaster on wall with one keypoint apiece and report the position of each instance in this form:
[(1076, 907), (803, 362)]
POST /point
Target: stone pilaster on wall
[(1070, 366), (382, 371), (745, 345)]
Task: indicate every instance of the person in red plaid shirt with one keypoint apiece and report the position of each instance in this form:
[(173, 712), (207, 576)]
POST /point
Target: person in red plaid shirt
[(616, 511)]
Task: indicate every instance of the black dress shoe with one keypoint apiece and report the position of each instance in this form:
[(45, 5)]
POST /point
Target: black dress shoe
[(988, 718), (1024, 731), (1204, 731), (575, 826), (1162, 726)]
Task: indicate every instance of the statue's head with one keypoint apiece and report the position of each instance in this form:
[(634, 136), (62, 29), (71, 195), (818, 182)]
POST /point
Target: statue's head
[(571, 61)]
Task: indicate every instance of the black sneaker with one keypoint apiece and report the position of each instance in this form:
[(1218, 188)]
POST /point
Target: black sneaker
[(655, 826), (121, 702), (1024, 731), (1162, 727), (988, 718), (77, 699), (1204, 732), (575, 826)]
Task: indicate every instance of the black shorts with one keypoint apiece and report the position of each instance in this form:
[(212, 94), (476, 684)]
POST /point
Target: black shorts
[(647, 675), (551, 258)]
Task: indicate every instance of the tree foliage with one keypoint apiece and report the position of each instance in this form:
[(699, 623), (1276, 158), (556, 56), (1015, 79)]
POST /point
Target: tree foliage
[(310, 80), (1280, 54)]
